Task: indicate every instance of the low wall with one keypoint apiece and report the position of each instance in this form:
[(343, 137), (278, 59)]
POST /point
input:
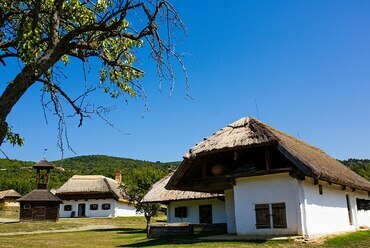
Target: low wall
[(170, 230), (185, 229)]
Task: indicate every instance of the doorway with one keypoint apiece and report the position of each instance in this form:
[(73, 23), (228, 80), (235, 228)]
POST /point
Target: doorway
[(39, 213), (81, 210), (205, 214)]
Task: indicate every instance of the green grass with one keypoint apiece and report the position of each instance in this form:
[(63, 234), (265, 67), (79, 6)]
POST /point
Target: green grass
[(130, 232), (356, 239)]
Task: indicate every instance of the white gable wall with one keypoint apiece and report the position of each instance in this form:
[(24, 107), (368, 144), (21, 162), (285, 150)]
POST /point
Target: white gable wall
[(125, 209), (218, 211), (276, 188)]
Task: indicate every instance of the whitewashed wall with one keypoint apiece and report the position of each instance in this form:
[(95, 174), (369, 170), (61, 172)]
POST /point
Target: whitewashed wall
[(117, 209), (362, 216), (124, 209), (218, 211), (328, 213), (275, 188), (230, 211), (11, 204)]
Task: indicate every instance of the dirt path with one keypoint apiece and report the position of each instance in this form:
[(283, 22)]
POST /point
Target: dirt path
[(83, 228)]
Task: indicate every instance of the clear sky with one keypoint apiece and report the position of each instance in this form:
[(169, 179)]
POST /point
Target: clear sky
[(305, 63)]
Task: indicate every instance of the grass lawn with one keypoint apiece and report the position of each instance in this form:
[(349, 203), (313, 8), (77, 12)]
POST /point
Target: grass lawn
[(130, 232)]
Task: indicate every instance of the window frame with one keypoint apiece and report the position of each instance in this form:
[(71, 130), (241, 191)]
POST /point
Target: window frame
[(106, 206), (271, 215), (181, 212), (94, 207), (67, 208)]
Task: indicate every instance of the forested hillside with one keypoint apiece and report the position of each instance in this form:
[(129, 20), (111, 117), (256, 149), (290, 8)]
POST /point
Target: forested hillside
[(360, 166), (20, 176)]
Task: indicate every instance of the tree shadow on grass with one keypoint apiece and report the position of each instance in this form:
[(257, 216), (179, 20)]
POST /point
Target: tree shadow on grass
[(184, 241)]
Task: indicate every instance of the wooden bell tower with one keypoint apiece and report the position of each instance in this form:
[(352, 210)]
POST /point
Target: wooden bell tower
[(43, 174)]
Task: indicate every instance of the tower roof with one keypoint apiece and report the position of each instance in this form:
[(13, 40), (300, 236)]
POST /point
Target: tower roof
[(43, 164), (39, 195)]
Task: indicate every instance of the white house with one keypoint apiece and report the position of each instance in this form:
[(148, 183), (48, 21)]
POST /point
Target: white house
[(8, 198), (274, 184), (188, 206), (93, 196)]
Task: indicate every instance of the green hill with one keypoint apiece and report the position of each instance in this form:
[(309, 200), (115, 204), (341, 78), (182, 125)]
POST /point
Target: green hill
[(360, 166), (19, 175)]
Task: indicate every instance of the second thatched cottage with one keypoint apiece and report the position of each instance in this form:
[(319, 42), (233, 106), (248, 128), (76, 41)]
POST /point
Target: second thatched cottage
[(274, 184), (93, 196)]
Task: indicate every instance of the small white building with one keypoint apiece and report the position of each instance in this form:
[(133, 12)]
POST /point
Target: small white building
[(93, 196), (188, 206), (274, 184), (8, 198)]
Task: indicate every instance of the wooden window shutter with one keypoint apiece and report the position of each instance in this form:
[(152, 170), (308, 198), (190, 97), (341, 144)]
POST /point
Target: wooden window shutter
[(279, 215), (262, 216)]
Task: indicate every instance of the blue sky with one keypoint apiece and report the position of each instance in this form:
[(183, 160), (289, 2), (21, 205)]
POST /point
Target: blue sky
[(305, 63)]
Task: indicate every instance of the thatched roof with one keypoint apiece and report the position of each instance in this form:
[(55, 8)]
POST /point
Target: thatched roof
[(43, 164), (91, 184), (11, 193), (40, 195), (159, 194), (248, 132)]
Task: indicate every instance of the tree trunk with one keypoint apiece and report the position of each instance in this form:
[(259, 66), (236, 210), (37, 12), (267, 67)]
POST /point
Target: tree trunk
[(147, 217), (22, 82), (13, 92)]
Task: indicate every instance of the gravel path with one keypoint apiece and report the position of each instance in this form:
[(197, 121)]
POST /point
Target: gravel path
[(83, 228)]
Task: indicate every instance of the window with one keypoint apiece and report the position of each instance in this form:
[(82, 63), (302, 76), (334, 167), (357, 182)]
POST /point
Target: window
[(278, 215), (363, 204), (67, 207), (94, 206), (263, 215), (105, 206), (180, 212), (27, 206)]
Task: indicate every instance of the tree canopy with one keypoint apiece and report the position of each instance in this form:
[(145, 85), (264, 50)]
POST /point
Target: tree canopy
[(43, 36), (137, 184)]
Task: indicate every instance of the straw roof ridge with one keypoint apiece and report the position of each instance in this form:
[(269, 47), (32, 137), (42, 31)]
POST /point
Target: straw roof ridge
[(158, 193), (10, 193), (90, 184), (248, 132)]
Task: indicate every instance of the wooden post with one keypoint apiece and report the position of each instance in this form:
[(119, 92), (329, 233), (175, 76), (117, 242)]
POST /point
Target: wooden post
[(204, 170), (267, 158)]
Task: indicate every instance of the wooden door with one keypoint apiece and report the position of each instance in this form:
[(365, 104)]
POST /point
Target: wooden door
[(205, 214), (82, 210), (39, 213)]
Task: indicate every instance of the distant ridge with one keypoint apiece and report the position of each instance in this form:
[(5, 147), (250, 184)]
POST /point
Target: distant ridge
[(18, 175)]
